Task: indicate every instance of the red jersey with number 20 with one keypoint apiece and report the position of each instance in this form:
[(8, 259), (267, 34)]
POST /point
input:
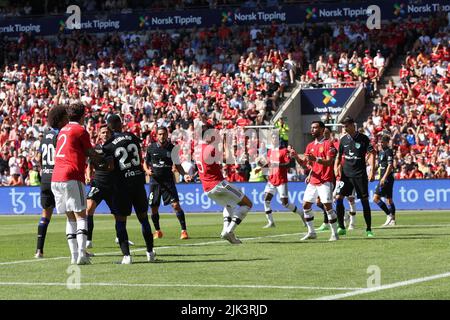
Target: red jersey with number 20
[(70, 158), (209, 170), (323, 149)]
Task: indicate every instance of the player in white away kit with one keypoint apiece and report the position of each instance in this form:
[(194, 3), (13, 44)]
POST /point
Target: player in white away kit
[(320, 156), (220, 190)]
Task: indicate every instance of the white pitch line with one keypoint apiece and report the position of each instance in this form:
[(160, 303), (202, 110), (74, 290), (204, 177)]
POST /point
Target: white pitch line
[(174, 285), (211, 242), (385, 287), (157, 248)]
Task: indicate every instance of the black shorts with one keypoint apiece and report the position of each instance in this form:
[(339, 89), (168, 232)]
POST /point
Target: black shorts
[(126, 198), (98, 193), (386, 190), (47, 197), (346, 185), (168, 191)]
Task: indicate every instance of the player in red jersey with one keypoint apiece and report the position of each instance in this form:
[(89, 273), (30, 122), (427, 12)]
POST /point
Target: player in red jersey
[(218, 189), (350, 217), (320, 155), (72, 149), (279, 162)]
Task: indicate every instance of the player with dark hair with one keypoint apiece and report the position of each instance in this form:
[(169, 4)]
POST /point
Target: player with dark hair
[(386, 185), (158, 165), (354, 146), (278, 161), (101, 184), (319, 155), (56, 119), (208, 160), (350, 217), (72, 149), (129, 192)]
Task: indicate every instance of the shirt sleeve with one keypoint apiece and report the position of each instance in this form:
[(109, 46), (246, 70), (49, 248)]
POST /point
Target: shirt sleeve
[(85, 140), (148, 155), (331, 151), (369, 145)]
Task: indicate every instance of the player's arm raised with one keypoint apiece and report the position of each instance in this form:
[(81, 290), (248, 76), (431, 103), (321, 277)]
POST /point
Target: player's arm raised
[(299, 158)]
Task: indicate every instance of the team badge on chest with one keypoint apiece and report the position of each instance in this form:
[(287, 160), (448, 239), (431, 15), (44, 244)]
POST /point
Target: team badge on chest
[(357, 145)]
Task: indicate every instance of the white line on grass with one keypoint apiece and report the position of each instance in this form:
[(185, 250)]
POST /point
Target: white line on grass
[(385, 287), (172, 285), (210, 242), (157, 248)]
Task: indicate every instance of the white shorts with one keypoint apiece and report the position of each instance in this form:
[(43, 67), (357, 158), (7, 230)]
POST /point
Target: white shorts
[(69, 196), (281, 189), (339, 186), (225, 194), (323, 191)]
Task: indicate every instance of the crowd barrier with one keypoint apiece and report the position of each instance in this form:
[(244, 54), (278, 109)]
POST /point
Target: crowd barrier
[(408, 195)]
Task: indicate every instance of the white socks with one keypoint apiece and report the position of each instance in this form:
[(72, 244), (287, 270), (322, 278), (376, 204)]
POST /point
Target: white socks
[(352, 206), (71, 232), (308, 214), (81, 235), (239, 215), (331, 216), (227, 213)]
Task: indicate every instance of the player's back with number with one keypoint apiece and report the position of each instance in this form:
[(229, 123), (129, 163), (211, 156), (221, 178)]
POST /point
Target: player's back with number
[(70, 158), (125, 149), (48, 151)]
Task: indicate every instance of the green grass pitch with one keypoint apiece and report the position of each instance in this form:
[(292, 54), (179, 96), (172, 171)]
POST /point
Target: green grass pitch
[(270, 264)]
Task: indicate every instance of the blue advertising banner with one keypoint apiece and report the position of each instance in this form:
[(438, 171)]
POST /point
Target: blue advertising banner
[(408, 195), (320, 101), (206, 18)]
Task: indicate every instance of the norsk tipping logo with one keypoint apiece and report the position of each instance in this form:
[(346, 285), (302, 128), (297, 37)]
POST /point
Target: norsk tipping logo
[(329, 97)]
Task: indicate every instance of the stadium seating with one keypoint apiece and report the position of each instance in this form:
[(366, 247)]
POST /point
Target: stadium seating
[(226, 76)]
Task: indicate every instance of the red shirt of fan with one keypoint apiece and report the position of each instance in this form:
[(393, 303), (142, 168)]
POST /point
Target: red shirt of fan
[(277, 174), (321, 174), (70, 157), (209, 168)]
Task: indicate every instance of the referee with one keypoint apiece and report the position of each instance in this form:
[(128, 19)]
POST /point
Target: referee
[(158, 165), (353, 147)]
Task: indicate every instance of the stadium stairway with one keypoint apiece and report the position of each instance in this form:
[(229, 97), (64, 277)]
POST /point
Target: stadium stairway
[(392, 72)]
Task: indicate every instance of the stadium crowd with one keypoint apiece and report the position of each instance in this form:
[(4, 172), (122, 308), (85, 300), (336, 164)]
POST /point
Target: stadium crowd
[(415, 112), (227, 77)]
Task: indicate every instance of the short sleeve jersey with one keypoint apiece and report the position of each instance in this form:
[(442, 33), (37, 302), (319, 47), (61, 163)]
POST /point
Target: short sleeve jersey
[(70, 159), (125, 149), (209, 168), (48, 151), (321, 174), (277, 174), (102, 177), (159, 158), (354, 150), (385, 158)]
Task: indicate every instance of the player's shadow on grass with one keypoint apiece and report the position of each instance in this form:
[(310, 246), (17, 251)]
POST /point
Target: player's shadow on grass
[(204, 260), (158, 260)]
